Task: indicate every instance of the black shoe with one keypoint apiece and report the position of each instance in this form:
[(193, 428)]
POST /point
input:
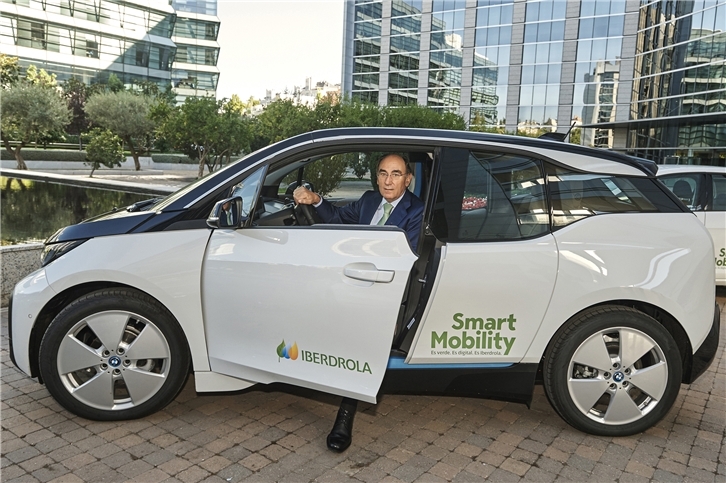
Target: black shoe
[(341, 435)]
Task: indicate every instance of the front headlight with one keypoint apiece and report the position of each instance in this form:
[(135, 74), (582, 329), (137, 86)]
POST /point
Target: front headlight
[(51, 252)]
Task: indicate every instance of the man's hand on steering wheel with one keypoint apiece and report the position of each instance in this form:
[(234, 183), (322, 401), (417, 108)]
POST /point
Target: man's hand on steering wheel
[(304, 198)]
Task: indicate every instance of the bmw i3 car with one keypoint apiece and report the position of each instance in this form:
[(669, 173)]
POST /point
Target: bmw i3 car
[(537, 262), (703, 190)]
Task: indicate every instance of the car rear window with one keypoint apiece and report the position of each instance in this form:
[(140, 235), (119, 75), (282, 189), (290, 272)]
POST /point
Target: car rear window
[(579, 195)]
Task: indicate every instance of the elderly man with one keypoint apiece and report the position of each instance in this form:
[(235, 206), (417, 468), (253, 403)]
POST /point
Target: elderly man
[(393, 205)]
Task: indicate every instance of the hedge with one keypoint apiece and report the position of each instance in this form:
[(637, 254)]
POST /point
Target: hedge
[(33, 154), (172, 158)]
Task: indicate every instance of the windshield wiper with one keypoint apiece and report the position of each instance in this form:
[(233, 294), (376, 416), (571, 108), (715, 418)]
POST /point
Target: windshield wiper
[(143, 204)]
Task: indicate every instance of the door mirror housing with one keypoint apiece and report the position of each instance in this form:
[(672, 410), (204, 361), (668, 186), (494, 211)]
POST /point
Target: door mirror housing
[(226, 213)]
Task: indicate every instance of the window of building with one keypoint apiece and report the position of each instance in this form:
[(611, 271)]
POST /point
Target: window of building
[(370, 97), (494, 15), (400, 8), (403, 97), (406, 43), (364, 30), (367, 64), (367, 47), (368, 11)]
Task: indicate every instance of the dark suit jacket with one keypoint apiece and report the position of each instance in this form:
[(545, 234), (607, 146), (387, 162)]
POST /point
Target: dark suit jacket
[(407, 215)]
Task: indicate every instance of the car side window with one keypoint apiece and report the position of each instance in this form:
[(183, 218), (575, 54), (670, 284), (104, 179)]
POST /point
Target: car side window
[(578, 195), (719, 193), (248, 189), (686, 187), (490, 196)]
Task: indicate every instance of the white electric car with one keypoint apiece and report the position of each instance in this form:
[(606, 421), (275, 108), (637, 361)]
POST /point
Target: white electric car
[(703, 190), (537, 261)]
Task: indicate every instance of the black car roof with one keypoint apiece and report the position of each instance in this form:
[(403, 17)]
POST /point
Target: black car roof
[(645, 165)]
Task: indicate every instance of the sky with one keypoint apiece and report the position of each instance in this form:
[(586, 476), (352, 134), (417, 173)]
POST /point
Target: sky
[(274, 44)]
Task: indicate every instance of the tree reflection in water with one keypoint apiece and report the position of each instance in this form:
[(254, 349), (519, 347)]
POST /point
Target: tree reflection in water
[(33, 210)]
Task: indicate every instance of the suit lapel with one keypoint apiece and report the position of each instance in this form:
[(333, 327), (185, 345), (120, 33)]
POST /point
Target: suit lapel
[(400, 211)]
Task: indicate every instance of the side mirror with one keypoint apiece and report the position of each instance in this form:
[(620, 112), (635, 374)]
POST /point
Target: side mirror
[(226, 213)]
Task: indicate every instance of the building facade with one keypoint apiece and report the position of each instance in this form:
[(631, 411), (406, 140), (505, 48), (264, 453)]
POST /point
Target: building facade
[(91, 39), (137, 40), (195, 72), (646, 77)]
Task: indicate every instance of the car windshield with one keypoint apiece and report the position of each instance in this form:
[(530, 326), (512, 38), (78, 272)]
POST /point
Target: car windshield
[(164, 202)]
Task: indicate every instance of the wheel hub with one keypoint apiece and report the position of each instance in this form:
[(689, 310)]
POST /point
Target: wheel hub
[(114, 361), (618, 376)]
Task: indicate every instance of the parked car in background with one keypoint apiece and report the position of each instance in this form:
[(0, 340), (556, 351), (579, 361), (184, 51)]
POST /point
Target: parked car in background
[(537, 261), (703, 190)]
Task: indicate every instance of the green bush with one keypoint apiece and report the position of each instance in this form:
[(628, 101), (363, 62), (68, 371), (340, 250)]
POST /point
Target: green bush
[(104, 149), (32, 154), (172, 158)]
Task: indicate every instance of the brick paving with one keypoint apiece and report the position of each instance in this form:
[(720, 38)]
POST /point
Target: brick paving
[(274, 434)]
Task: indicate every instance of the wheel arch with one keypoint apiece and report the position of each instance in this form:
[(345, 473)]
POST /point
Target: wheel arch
[(665, 319), (56, 304)]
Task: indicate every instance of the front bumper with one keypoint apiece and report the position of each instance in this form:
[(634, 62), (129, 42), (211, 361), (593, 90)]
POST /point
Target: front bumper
[(29, 297), (706, 353)]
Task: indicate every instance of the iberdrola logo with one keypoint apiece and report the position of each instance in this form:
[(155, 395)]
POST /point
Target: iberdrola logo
[(288, 352)]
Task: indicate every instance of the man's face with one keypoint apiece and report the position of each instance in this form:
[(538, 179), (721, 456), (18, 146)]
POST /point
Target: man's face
[(392, 177)]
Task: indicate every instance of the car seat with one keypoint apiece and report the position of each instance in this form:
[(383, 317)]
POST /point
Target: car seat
[(683, 191)]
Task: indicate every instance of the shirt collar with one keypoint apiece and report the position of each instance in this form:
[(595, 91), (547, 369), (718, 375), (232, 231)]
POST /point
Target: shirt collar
[(394, 202)]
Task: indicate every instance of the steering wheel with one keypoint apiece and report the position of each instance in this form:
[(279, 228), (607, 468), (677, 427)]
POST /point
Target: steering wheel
[(305, 215)]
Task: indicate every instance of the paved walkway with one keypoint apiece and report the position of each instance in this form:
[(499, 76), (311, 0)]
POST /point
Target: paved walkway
[(274, 434)]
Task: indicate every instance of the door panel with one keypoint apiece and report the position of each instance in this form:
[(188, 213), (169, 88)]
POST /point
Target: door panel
[(488, 302), (314, 306)]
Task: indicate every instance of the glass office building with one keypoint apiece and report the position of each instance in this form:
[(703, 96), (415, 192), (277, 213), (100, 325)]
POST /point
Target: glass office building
[(90, 39), (137, 40), (646, 77), (195, 72)]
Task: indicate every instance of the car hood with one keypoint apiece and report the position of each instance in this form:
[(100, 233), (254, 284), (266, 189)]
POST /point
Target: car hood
[(115, 222)]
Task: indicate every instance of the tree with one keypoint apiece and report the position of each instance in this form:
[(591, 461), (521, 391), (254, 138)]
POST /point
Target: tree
[(104, 149), (236, 105), (576, 136), (31, 112), (40, 77), (126, 115), (9, 71), (75, 93), (196, 128), (114, 84)]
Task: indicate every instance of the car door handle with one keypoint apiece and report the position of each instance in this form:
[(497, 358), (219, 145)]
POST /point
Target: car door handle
[(368, 273)]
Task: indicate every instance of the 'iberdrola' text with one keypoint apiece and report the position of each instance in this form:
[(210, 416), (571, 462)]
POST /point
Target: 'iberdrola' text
[(335, 361)]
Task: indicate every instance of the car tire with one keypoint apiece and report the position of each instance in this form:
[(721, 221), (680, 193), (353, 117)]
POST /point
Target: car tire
[(114, 354), (612, 371)]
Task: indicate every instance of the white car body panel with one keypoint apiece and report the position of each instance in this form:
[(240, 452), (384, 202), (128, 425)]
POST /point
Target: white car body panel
[(664, 261), (474, 282), (280, 276), (30, 295), (166, 265)]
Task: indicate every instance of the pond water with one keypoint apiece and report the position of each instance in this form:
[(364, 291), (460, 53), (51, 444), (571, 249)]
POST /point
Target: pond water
[(32, 210)]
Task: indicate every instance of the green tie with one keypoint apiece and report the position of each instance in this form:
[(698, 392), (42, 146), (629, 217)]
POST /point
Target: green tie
[(387, 207)]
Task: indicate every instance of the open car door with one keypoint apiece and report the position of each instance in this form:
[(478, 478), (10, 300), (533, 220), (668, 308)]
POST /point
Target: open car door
[(310, 306)]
